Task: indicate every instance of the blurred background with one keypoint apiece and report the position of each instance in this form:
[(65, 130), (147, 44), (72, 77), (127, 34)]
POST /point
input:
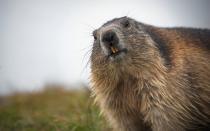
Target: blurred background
[(46, 44), (49, 41)]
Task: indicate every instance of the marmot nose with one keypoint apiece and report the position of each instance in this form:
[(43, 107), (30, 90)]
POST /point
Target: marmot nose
[(110, 38)]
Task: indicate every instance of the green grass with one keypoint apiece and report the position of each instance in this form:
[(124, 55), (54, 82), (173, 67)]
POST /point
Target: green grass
[(50, 110)]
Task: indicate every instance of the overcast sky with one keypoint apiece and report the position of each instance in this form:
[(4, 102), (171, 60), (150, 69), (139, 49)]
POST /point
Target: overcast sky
[(44, 41)]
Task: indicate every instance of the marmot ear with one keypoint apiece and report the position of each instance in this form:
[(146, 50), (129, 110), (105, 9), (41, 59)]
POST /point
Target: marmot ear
[(125, 23)]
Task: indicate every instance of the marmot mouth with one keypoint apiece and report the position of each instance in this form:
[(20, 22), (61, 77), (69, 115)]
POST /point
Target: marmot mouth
[(116, 51)]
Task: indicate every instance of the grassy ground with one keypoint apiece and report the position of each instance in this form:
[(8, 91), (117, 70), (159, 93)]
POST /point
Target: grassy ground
[(50, 110)]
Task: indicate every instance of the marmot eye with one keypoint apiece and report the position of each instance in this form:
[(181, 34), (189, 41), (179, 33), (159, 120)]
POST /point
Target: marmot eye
[(126, 23), (94, 35)]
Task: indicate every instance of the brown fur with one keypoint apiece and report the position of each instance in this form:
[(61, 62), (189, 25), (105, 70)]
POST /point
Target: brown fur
[(161, 84)]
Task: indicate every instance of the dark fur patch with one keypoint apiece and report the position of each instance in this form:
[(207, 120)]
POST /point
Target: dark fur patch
[(161, 45), (201, 37)]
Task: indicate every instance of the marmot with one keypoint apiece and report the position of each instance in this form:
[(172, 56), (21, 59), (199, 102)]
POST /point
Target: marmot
[(147, 78)]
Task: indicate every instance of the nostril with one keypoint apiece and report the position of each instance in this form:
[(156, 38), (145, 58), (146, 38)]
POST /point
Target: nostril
[(110, 43), (109, 37)]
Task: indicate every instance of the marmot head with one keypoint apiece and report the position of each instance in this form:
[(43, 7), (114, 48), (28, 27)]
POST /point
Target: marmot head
[(123, 44)]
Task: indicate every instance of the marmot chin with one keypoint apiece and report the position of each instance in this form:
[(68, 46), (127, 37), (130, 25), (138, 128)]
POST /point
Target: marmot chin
[(147, 78)]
